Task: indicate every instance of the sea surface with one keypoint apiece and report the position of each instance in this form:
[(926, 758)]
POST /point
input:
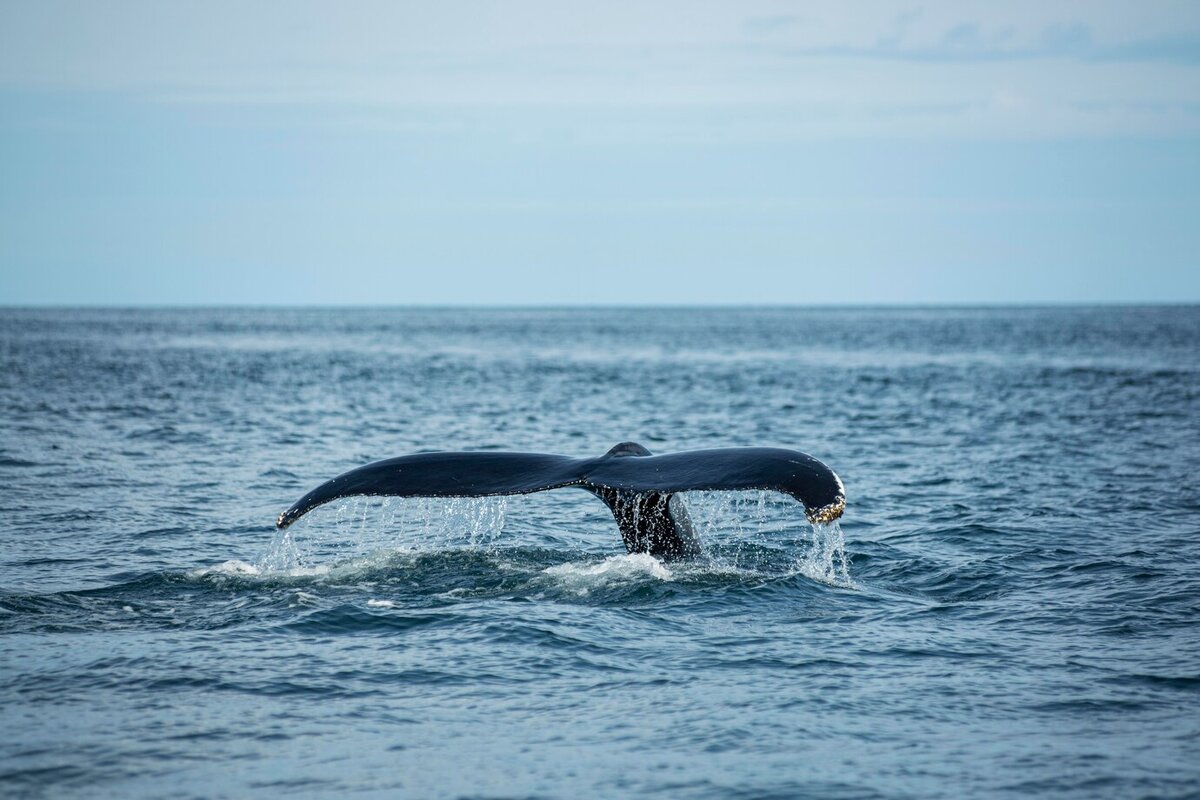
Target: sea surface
[(1010, 606)]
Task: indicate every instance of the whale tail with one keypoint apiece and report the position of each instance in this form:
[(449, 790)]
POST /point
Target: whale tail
[(638, 487)]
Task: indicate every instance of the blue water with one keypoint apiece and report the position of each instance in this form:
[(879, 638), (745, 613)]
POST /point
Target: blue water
[(1014, 610)]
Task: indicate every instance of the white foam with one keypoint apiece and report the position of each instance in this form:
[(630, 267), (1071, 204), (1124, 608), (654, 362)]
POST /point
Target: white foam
[(382, 604), (231, 567), (582, 577), (241, 569)]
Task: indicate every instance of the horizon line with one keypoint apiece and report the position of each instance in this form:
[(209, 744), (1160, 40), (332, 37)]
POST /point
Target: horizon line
[(429, 306)]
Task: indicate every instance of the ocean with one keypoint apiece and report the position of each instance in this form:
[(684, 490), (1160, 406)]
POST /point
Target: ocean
[(1009, 607)]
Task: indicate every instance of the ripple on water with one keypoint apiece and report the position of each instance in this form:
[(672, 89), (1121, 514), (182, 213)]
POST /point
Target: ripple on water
[(995, 622)]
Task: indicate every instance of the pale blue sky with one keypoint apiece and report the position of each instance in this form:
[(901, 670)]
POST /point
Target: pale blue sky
[(541, 152)]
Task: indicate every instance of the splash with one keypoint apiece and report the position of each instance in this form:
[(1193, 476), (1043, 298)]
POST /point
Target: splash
[(282, 554), (756, 533), (363, 527), (744, 534), (825, 557)]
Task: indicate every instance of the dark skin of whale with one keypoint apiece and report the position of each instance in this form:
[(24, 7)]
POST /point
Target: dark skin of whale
[(638, 487)]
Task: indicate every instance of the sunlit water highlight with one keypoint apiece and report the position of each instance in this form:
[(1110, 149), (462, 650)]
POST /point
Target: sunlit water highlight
[(1008, 608)]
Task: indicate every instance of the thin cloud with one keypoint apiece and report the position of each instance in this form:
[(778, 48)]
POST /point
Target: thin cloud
[(968, 42)]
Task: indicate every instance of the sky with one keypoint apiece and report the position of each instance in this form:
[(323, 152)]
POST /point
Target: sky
[(629, 153)]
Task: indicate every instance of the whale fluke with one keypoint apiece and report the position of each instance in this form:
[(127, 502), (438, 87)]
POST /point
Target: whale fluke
[(637, 486)]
